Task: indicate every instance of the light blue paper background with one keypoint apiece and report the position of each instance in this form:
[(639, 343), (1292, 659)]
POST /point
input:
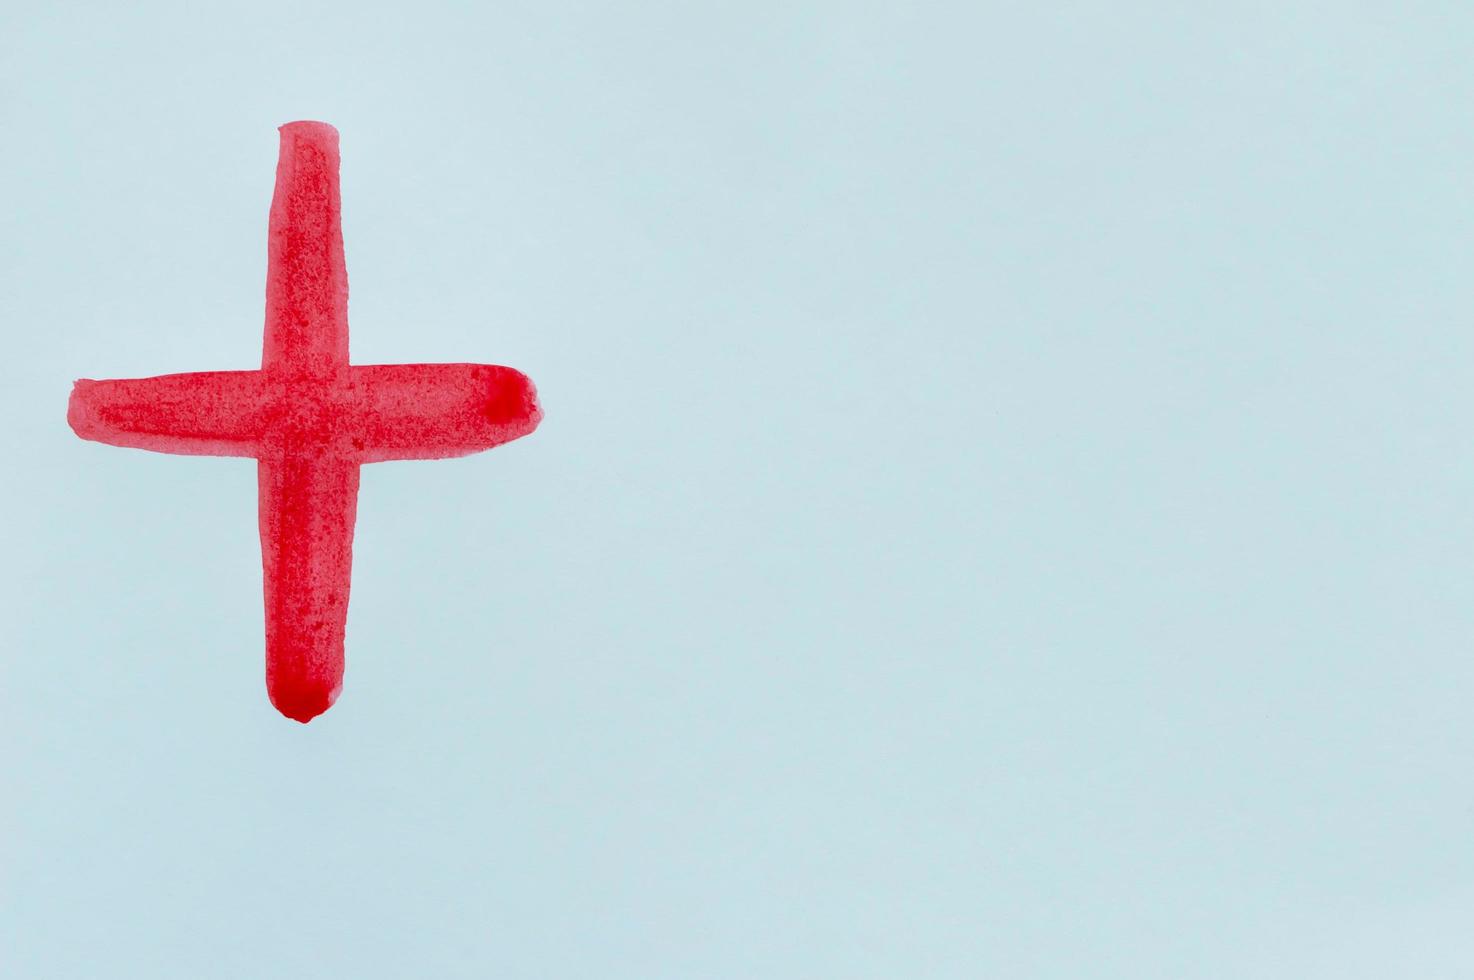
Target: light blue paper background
[(1004, 508)]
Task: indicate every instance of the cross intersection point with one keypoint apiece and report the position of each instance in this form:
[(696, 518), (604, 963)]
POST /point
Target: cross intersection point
[(310, 419)]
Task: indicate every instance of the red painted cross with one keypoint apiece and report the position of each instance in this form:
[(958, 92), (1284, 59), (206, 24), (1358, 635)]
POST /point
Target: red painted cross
[(310, 419)]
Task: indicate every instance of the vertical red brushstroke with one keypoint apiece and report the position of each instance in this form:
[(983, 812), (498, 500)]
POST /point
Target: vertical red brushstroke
[(311, 420)]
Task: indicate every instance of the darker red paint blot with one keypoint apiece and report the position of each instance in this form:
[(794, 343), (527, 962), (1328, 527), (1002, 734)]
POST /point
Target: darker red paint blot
[(310, 419)]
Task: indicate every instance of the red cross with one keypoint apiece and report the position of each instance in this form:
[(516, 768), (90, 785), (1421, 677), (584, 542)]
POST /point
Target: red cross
[(310, 419)]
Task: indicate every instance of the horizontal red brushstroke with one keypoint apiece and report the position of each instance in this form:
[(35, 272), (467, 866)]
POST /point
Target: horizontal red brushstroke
[(310, 419)]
